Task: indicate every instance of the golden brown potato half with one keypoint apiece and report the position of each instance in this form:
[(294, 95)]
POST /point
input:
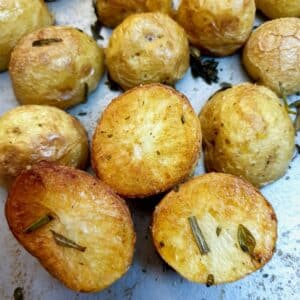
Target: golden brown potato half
[(111, 13), (272, 55), (238, 227), (31, 133), (218, 27), (72, 205), (279, 8), (247, 132), (147, 48), (147, 141), (18, 18), (56, 66)]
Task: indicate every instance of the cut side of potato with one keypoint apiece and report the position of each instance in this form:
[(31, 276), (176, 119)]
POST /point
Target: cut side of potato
[(236, 222)]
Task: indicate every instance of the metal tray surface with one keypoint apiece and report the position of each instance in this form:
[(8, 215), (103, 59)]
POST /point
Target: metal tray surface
[(149, 278)]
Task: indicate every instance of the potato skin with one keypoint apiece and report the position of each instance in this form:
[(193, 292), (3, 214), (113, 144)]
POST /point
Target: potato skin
[(31, 133), (247, 132), (129, 149), (216, 200), (147, 48), (85, 211), (272, 55), (217, 27), (60, 74), (279, 8), (18, 18), (112, 13)]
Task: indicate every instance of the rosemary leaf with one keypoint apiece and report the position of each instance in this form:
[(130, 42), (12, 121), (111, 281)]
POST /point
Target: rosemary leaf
[(218, 230), (198, 235), (295, 104), (246, 240), (18, 294), (65, 242), (38, 223), (45, 42), (210, 280)]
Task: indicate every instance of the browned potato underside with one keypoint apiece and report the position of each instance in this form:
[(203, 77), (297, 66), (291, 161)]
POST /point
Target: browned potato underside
[(18, 18), (279, 8), (218, 27), (32, 133), (147, 140), (85, 211), (147, 48), (247, 132), (272, 55), (216, 200), (61, 73), (112, 13)]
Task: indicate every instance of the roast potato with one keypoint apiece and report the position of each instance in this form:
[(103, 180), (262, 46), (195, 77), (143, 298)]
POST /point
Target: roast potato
[(112, 13), (247, 132), (49, 204), (17, 18), (217, 27), (147, 141), (279, 8), (31, 133), (147, 48), (238, 225), (56, 66), (272, 55)]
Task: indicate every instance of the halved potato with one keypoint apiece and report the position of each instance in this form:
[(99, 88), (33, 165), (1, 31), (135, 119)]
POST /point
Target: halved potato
[(87, 238), (147, 141), (237, 223)]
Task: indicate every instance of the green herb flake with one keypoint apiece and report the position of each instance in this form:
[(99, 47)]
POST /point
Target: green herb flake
[(246, 240), (38, 223), (210, 280), (65, 242), (18, 294), (218, 230), (46, 42)]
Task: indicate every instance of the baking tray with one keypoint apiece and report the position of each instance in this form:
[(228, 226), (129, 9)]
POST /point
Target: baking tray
[(149, 278)]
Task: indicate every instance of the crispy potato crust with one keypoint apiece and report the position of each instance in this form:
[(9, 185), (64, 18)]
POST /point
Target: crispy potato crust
[(31, 133), (112, 13), (147, 48), (272, 55), (60, 73), (217, 201), (217, 27), (85, 211), (247, 132), (18, 18), (147, 141), (279, 8)]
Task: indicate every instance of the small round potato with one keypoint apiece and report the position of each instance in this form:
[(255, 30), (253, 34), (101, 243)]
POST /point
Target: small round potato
[(18, 18), (147, 48), (78, 229), (272, 55), (279, 8), (56, 66), (147, 141), (112, 13), (217, 27), (32, 133), (247, 132), (237, 224)]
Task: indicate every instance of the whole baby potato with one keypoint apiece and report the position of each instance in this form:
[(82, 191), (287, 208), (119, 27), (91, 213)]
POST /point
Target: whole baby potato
[(147, 48), (57, 66), (33, 133), (279, 8), (18, 18), (247, 132), (112, 13), (272, 55), (218, 27)]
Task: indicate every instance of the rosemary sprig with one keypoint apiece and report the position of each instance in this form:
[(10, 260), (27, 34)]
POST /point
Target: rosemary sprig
[(198, 235), (38, 223), (45, 42), (246, 240), (65, 242)]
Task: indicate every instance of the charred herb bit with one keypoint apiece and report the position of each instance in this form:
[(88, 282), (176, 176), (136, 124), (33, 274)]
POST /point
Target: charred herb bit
[(246, 240), (112, 84), (65, 242), (182, 119), (198, 235), (38, 223), (86, 92), (95, 29), (82, 113), (18, 294), (210, 280), (218, 230), (45, 42)]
